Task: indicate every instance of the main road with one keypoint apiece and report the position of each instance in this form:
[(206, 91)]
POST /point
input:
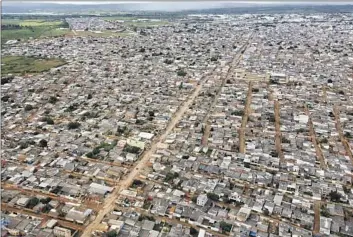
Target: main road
[(109, 203), (125, 183)]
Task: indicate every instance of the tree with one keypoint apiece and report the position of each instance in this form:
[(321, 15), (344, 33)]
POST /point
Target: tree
[(348, 135), (53, 99), (181, 73), (238, 113), (112, 233), (335, 196), (181, 86), (28, 107), (213, 196), (132, 149), (43, 143), (324, 140), (225, 227), (193, 231), (170, 176), (73, 125), (168, 61), (48, 120), (45, 200), (324, 212), (285, 140), (33, 202), (137, 182), (266, 212), (194, 199)]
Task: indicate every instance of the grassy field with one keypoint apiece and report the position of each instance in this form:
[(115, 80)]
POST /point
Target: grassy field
[(118, 18), (146, 23), (31, 28), (132, 21), (22, 65), (30, 22), (103, 34)]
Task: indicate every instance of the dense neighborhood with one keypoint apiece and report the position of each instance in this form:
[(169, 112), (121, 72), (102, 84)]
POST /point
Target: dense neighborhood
[(211, 125)]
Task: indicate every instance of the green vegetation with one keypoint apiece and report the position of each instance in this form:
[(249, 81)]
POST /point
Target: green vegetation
[(181, 73), (308, 193), (28, 107), (132, 149), (104, 34), (16, 29), (43, 143), (285, 140), (170, 176), (133, 22), (335, 196), (323, 140), (53, 99), (105, 146), (238, 113), (324, 212), (118, 18), (73, 125), (213, 196), (193, 231), (136, 183), (23, 65), (225, 227), (112, 233), (32, 202)]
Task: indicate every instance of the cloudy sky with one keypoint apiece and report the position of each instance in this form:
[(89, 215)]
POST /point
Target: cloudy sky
[(188, 2), (171, 5)]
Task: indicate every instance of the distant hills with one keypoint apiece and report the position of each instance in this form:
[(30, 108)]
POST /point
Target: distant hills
[(185, 7)]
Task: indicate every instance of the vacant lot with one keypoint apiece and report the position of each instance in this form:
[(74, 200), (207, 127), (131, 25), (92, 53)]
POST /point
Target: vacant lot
[(23, 65)]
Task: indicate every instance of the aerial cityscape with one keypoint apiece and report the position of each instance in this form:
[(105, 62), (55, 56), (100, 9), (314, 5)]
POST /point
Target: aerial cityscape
[(213, 121)]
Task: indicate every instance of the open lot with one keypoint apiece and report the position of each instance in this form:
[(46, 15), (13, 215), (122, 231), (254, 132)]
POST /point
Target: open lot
[(22, 65)]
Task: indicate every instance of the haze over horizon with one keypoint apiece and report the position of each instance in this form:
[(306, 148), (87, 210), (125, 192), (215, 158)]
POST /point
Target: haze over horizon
[(159, 6)]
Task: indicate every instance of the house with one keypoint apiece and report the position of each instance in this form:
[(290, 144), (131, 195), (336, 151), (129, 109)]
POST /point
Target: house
[(243, 214), (78, 216), (23, 202), (325, 225), (202, 200), (100, 189), (61, 232)]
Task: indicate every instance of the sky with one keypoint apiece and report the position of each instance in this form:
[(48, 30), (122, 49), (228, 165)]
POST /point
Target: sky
[(175, 5), (189, 2)]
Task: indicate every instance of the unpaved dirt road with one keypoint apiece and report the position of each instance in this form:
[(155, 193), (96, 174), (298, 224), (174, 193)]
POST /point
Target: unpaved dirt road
[(125, 183)]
